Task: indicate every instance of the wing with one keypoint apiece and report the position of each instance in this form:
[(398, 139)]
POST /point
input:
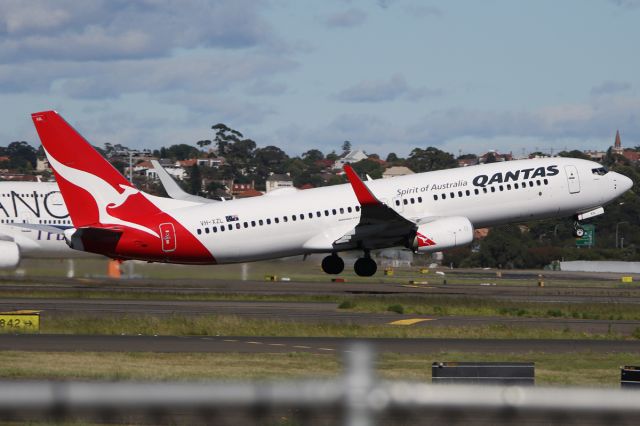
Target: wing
[(379, 226)]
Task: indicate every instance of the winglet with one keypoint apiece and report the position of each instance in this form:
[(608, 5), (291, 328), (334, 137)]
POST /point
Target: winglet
[(364, 195)]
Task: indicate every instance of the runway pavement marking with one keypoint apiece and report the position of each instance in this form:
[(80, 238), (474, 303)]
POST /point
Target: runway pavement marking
[(302, 347), (326, 349), (254, 343), (277, 344), (230, 340), (410, 321)]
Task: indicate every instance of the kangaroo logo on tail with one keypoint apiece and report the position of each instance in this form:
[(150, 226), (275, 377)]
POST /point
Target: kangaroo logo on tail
[(78, 165)]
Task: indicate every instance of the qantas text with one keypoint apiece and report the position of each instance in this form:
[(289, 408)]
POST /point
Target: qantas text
[(513, 176)]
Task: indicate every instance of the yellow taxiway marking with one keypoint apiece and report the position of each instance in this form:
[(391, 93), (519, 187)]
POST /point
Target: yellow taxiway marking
[(410, 321)]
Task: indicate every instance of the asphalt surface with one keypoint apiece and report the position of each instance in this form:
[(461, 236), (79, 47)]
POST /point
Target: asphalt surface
[(310, 312), (325, 345), (602, 288)]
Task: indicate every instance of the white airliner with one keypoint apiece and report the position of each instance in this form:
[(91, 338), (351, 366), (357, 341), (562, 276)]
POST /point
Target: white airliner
[(424, 212), (31, 216)]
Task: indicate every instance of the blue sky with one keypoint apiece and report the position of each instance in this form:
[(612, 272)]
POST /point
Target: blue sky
[(387, 75)]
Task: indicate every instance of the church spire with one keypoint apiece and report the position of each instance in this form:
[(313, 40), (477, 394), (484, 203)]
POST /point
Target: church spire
[(618, 143)]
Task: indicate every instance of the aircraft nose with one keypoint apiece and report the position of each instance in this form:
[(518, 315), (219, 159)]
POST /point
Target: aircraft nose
[(623, 183)]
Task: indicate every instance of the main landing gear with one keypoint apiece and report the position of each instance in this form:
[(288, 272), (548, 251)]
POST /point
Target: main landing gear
[(332, 264), (364, 266)]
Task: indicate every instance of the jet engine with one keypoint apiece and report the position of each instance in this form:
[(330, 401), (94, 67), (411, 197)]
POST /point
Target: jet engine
[(441, 234), (10, 256)]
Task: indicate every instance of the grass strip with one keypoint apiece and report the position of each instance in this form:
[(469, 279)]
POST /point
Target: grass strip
[(423, 304), (230, 325), (577, 369)]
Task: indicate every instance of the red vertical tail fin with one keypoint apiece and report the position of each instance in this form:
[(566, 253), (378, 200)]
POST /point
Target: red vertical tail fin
[(92, 188)]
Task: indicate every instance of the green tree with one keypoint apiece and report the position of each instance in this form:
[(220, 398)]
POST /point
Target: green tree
[(504, 247), (368, 167), (224, 137), (426, 160), (346, 147), (203, 143), (574, 154), (182, 152), (312, 156), (195, 180), (22, 156)]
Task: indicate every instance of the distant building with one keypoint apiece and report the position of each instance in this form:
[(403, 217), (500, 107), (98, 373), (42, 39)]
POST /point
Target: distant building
[(464, 162), (211, 162), (350, 157), (630, 154), (496, 156), (277, 181), (244, 190), (42, 164), (397, 171), (595, 155), (617, 145)]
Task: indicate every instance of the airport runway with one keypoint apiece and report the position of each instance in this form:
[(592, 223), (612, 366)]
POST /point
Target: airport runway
[(610, 291), (312, 312), (324, 345)]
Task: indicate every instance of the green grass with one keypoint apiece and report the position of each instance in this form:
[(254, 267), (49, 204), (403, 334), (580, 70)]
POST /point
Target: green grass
[(584, 369), (228, 325), (476, 306)]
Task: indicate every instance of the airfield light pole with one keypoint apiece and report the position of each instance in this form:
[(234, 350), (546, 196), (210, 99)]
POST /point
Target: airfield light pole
[(619, 223)]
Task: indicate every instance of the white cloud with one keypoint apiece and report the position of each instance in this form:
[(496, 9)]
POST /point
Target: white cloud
[(608, 87), (381, 91)]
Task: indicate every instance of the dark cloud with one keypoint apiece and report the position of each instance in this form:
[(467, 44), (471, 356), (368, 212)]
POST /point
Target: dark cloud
[(106, 30), (630, 4), (610, 87), (204, 73), (381, 91), (346, 19)]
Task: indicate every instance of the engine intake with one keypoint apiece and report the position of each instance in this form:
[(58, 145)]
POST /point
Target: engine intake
[(441, 234), (10, 254)]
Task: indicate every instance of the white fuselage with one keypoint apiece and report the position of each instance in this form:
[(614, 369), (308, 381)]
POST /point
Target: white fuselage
[(291, 222), (34, 203)]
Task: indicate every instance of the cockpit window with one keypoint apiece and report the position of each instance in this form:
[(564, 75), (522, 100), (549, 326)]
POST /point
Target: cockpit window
[(601, 171)]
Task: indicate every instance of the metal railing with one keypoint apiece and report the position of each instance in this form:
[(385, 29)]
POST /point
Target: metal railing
[(356, 399)]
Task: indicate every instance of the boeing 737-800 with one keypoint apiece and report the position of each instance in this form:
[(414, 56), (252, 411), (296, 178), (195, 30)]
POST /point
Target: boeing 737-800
[(424, 212)]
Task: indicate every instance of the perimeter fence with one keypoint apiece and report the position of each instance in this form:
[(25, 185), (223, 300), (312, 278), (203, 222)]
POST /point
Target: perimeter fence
[(357, 398)]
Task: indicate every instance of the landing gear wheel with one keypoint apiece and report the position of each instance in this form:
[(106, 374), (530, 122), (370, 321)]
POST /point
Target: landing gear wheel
[(333, 264), (365, 267), (578, 232)]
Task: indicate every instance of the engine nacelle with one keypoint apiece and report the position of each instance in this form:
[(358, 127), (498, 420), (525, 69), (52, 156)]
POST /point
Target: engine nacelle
[(443, 233), (9, 254)]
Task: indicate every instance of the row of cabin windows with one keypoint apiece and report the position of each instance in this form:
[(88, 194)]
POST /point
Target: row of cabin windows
[(25, 195), (41, 221), (477, 191), (501, 188), (275, 220)]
